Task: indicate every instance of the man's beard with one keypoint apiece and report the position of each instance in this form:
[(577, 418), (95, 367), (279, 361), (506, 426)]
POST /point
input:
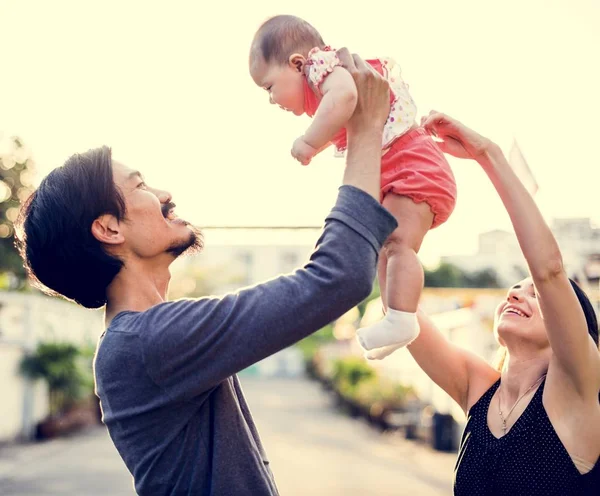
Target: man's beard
[(190, 246)]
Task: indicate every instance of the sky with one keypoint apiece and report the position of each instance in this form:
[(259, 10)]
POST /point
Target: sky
[(166, 85)]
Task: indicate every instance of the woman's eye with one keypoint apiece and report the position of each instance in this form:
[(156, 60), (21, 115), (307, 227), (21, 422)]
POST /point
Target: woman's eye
[(142, 185)]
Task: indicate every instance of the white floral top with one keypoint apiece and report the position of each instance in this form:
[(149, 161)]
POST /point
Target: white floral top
[(403, 111)]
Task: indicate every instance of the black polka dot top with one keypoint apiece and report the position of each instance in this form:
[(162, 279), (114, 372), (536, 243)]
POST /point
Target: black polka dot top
[(529, 460)]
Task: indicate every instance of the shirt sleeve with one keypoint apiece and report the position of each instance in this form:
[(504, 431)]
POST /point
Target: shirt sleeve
[(320, 64), (192, 345)]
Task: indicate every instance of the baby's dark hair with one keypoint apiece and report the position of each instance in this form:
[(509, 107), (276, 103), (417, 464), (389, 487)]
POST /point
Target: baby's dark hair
[(281, 36)]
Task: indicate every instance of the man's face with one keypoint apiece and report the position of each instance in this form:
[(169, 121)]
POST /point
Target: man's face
[(150, 227)]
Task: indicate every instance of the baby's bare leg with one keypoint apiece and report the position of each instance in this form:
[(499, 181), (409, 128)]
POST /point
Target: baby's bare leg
[(403, 280), (404, 272)]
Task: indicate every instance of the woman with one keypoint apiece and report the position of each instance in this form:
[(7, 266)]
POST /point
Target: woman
[(533, 427)]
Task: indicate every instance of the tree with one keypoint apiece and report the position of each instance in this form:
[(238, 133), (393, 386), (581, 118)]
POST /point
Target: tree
[(16, 184), (450, 276), (485, 278), (445, 276)]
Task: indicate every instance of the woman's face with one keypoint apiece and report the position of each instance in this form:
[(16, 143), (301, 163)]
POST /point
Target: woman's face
[(518, 317)]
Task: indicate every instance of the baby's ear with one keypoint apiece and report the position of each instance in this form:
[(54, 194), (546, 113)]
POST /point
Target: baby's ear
[(297, 61)]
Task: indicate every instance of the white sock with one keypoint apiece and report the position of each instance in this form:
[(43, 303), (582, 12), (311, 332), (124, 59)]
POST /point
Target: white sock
[(396, 328), (381, 353)]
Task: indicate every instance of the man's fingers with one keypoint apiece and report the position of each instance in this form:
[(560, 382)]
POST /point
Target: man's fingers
[(346, 59), (354, 63), (359, 62), (362, 66)]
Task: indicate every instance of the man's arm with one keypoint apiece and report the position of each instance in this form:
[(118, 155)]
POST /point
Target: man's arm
[(365, 127), (193, 345)]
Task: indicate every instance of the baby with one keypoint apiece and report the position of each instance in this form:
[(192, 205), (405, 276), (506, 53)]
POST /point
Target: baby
[(289, 59)]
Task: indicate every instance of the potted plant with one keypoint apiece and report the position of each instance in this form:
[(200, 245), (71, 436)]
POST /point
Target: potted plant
[(59, 364)]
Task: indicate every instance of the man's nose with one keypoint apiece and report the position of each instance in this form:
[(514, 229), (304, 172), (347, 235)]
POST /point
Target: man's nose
[(163, 196)]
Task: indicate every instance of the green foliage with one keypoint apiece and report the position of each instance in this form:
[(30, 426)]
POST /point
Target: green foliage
[(349, 372), (310, 344), (450, 276), (485, 278), (375, 293), (16, 184), (374, 391), (66, 370), (357, 381)]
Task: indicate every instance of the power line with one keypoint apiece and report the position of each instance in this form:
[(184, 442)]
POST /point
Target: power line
[(264, 228)]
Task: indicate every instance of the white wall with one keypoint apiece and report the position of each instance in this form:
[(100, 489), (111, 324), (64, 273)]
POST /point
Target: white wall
[(26, 320)]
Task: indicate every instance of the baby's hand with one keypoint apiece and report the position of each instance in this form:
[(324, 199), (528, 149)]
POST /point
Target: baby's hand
[(302, 151)]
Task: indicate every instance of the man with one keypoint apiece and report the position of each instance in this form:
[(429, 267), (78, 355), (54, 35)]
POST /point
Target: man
[(165, 371)]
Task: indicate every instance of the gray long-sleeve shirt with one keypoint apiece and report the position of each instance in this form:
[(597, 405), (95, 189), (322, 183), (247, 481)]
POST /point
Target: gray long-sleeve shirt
[(166, 376)]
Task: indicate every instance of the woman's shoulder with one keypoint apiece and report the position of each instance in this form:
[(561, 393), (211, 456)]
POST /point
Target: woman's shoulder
[(482, 385)]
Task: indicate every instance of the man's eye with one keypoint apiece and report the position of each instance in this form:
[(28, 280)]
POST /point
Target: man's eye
[(268, 88), (142, 185)]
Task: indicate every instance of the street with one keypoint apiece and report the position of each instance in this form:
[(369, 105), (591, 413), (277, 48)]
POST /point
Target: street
[(313, 450)]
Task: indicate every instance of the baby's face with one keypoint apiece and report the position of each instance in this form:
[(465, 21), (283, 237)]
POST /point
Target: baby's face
[(282, 81)]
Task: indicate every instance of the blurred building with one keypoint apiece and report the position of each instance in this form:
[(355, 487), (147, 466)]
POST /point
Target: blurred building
[(498, 250), (578, 239), (243, 257), (580, 242)]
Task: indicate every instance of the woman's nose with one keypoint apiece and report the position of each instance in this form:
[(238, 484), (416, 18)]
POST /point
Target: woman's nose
[(514, 295)]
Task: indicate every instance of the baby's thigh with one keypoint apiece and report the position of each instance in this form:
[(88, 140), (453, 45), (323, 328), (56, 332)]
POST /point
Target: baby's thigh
[(414, 218)]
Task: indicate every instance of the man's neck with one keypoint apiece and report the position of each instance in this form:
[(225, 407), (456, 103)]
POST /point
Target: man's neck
[(137, 287)]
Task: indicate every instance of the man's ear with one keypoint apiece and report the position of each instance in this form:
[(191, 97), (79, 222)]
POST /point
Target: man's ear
[(297, 61), (107, 229)]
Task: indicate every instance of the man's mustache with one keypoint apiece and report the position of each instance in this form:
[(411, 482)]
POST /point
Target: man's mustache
[(166, 207)]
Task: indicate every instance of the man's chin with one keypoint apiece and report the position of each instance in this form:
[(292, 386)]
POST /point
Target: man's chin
[(193, 244)]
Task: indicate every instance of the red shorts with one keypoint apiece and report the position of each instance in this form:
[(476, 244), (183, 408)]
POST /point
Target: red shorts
[(414, 166)]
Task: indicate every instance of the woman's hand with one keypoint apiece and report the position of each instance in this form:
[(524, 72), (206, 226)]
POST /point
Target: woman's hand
[(456, 138)]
